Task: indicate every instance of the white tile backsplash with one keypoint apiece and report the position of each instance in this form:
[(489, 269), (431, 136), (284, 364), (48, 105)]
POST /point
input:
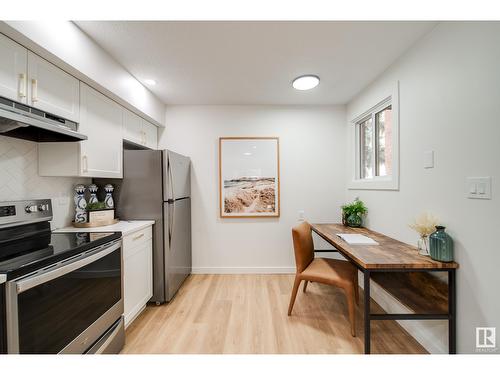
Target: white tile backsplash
[(19, 179)]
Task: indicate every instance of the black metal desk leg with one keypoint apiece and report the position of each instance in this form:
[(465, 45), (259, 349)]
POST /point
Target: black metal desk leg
[(452, 311), (366, 276)]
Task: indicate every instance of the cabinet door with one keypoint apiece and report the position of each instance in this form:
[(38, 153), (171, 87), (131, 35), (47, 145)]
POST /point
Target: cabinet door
[(150, 135), (13, 69), (101, 120), (138, 279), (52, 89), (132, 127)]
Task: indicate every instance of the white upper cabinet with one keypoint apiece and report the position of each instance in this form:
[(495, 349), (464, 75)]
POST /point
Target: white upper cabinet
[(101, 122), (139, 131), (101, 154), (132, 127), (51, 89), (150, 135), (13, 66), (27, 78)]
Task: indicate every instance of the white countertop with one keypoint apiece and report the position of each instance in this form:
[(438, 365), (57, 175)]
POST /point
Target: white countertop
[(3, 278), (124, 226)]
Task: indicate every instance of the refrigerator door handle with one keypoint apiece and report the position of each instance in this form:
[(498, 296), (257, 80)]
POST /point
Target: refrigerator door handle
[(171, 180), (172, 208), (171, 226)]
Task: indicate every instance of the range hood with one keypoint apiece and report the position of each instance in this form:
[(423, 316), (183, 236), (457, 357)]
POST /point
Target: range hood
[(21, 121)]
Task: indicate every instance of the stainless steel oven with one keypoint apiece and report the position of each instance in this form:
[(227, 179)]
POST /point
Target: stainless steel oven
[(72, 306)]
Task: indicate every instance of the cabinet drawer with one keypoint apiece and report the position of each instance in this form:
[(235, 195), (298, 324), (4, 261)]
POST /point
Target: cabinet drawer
[(133, 240)]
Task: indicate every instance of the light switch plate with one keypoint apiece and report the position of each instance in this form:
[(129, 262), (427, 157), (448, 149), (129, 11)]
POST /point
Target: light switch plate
[(478, 187), (429, 159)]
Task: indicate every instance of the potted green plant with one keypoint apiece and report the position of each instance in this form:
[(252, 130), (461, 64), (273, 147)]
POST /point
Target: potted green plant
[(352, 213)]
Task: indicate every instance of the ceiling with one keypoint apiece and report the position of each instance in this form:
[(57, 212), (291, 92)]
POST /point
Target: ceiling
[(202, 62)]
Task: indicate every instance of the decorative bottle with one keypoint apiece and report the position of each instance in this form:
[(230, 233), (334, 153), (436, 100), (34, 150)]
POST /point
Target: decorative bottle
[(92, 188), (441, 245), (108, 200), (80, 204)]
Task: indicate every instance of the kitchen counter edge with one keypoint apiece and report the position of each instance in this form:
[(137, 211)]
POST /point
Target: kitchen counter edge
[(125, 226)]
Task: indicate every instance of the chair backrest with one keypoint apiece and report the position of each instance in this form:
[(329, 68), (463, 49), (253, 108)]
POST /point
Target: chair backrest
[(303, 246)]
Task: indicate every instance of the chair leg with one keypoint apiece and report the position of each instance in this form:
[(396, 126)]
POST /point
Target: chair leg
[(350, 295), (356, 287), (305, 286), (296, 285)]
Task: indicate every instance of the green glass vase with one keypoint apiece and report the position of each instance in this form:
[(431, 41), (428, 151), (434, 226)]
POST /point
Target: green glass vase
[(354, 220), (441, 245)]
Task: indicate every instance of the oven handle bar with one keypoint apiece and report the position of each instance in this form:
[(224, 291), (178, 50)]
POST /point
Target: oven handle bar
[(59, 269)]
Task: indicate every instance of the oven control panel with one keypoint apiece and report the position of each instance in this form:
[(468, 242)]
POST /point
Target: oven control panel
[(27, 211)]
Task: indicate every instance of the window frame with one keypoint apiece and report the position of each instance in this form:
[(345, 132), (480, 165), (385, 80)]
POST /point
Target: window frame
[(375, 141), (389, 182)]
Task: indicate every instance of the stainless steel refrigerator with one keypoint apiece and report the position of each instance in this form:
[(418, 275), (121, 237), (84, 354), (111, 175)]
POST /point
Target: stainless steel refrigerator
[(156, 186)]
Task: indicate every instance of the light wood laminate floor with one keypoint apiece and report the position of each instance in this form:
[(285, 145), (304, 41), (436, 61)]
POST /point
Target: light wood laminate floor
[(248, 314)]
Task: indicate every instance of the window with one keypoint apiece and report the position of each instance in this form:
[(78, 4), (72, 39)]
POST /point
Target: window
[(375, 144), (374, 149)]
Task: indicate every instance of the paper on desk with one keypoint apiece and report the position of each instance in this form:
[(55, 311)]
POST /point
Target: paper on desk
[(356, 239)]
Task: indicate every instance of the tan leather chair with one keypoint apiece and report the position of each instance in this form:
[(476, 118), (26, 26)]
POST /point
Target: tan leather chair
[(322, 270)]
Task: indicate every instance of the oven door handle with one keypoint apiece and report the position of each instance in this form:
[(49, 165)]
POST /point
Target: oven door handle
[(64, 267)]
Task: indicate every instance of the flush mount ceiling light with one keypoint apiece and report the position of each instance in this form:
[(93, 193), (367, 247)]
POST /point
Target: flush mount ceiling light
[(150, 82), (305, 82)]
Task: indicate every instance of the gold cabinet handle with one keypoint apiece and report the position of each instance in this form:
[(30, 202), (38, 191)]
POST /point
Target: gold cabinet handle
[(138, 236), (22, 85), (85, 165), (34, 90)]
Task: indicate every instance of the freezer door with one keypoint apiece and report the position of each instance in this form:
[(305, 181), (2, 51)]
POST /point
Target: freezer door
[(177, 176), (139, 194), (178, 239)]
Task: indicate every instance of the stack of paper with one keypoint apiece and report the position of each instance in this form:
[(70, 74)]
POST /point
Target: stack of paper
[(356, 239)]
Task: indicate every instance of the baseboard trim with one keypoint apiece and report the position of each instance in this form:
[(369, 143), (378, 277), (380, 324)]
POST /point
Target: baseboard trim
[(243, 270)]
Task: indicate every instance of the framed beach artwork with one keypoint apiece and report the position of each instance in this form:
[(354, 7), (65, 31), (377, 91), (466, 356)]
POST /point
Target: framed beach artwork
[(249, 181)]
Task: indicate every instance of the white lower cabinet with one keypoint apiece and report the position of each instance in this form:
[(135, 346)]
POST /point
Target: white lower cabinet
[(137, 272)]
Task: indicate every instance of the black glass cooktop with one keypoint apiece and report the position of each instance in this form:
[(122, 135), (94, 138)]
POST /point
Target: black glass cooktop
[(22, 252)]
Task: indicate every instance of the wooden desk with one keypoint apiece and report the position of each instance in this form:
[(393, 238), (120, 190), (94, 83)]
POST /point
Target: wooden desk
[(391, 255)]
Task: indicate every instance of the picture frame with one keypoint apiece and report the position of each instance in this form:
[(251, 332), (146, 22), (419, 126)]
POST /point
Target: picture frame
[(249, 177)]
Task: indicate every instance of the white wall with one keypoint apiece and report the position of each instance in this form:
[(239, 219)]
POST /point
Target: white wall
[(65, 45), (312, 152), (449, 103), (19, 180)]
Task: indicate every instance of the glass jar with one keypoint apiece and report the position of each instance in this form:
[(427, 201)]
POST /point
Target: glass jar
[(354, 220), (423, 245), (441, 245)]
